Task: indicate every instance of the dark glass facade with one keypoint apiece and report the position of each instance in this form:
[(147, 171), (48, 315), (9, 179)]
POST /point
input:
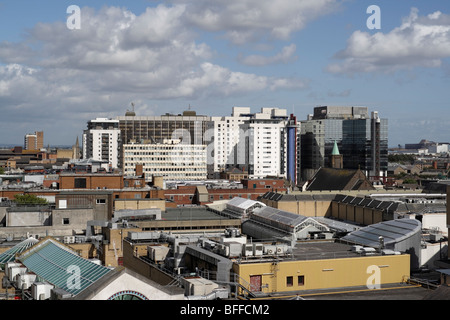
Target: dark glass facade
[(364, 145), (362, 141)]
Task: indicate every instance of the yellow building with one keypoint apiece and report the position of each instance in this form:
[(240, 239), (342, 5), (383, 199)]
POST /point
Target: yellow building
[(138, 204), (64, 153), (308, 205), (336, 270)]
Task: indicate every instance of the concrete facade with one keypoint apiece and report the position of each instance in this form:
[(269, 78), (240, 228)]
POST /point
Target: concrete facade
[(131, 257)]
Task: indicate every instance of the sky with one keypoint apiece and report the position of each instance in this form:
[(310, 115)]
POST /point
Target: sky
[(60, 68)]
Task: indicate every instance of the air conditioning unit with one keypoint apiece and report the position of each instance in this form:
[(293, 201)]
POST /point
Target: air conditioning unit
[(368, 251), (9, 265), (270, 249), (24, 281), (435, 237), (247, 250), (258, 249), (281, 249), (41, 290), (69, 239), (13, 272), (208, 244), (387, 252), (235, 248)]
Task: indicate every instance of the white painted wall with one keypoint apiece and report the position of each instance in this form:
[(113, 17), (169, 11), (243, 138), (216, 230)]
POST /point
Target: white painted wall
[(128, 282)]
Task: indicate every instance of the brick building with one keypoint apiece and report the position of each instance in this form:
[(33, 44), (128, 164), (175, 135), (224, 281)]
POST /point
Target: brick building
[(200, 195)]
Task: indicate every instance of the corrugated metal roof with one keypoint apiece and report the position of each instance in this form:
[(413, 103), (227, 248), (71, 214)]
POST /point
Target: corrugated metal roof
[(243, 203), (337, 224), (54, 262), (393, 231), (279, 216)]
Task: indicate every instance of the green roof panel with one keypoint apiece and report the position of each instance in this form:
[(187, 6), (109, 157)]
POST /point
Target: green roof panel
[(62, 267), (10, 254)]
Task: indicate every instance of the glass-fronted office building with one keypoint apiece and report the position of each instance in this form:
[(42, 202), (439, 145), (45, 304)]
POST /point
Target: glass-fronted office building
[(362, 140)]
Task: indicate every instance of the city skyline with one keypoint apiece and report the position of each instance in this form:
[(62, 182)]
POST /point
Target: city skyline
[(164, 56)]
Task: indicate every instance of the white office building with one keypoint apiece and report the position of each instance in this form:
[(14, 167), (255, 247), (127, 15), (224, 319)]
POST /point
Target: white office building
[(230, 139), (258, 142), (101, 141), (171, 159)]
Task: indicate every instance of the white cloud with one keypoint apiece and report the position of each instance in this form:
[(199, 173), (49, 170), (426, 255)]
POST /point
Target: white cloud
[(65, 76), (420, 41), (286, 55), (249, 20), (214, 80), (152, 54)]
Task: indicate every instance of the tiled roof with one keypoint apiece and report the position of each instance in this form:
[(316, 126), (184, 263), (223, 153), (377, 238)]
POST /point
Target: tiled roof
[(335, 179)]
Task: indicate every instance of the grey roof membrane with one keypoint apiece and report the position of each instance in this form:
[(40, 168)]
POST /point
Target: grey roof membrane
[(393, 231), (280, 216)]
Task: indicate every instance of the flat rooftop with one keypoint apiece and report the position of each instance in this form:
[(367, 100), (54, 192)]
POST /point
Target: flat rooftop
[(393, 291), (313, 250), (190, 213), (318, 249)]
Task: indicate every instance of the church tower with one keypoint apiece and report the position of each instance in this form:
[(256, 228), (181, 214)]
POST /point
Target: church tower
[(76, 151), (336, 159)]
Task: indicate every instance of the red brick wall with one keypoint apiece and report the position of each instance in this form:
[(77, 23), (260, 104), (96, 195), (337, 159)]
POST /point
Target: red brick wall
[(92, 181)]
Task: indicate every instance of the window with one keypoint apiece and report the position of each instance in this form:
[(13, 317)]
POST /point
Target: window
[(62, 204), (301, 280), (289, 281), (65, 221), (101, 201), (80, 183)]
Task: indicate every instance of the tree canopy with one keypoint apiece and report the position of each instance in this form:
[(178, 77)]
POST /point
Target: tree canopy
[(401, 158), (29, 199)]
